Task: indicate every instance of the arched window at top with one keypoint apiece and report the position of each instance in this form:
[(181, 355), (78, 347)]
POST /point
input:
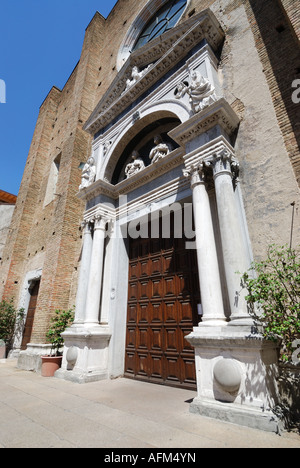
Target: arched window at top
[(164, 20)]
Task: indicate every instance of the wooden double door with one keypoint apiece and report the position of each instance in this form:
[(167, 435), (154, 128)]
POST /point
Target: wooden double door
[(162, 310)]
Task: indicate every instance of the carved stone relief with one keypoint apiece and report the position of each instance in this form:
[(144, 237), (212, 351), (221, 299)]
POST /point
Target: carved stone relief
[(200, 91), (159, 151), (136, 75), (88, 173), (135, 166)]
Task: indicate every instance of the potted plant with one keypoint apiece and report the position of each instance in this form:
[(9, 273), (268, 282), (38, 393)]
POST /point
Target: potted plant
[(61, 320), (9, 319)]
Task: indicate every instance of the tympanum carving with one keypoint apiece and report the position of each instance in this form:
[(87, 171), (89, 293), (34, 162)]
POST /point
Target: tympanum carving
[(160, 150), (135, 166)]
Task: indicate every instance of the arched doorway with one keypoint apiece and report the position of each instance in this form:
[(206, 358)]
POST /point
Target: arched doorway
[(163, 299)]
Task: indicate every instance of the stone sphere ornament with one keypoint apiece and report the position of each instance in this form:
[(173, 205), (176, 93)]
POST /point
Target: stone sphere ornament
[(72, 355), (227, 374)]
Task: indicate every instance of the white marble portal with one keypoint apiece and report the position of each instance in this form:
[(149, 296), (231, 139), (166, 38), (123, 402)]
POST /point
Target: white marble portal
[(235, 367)]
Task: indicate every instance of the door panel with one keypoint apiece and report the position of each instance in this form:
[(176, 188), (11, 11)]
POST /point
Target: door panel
[(30, 316), (162, 311)]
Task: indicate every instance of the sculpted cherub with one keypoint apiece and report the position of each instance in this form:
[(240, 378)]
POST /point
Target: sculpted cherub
[(200, 90), (159, 151), (135, 166), (136, 74)]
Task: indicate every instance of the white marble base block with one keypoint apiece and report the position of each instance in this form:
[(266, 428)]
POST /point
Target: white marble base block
[(236, 377), (85, 356)]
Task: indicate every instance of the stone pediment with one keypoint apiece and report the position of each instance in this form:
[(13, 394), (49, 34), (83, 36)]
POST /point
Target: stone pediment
[(154, 60)]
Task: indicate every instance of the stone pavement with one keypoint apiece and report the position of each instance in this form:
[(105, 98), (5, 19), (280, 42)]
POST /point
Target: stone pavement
[(37, 412)]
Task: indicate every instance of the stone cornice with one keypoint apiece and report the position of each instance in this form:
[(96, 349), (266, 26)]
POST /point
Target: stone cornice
[(101, 187), (163, 53), (206, 152), (218, 113)]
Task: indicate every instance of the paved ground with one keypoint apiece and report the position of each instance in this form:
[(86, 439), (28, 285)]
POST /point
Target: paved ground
[(37, 412)]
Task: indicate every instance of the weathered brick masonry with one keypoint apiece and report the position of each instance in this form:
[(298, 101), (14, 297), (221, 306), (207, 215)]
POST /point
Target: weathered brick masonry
[(48, 236), (279, 51)]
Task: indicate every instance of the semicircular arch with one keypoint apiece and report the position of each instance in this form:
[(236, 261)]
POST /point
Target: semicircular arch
[(151, 121)]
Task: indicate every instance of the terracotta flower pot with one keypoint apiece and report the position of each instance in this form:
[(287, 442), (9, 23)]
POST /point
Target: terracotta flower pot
[(50, 364)]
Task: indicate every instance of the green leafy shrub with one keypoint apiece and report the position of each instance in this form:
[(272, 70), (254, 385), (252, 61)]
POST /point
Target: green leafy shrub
[(61, 320), (274, 296), (9, 317)]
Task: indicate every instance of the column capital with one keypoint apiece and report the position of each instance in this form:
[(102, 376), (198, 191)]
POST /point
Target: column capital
[(100, 222), (223, 162), (86, 226), (196, 174)]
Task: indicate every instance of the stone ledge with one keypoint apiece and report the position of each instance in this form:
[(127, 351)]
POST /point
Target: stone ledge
[(227, 412), (30, 359), (80, 377)]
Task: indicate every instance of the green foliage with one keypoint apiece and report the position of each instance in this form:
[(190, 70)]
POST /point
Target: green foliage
[(60, 322), (9, 317), (274, 289)]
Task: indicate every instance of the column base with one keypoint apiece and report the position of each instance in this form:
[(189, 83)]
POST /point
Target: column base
[(80, 377), (241, 321), (236, 414), (85, 357), (236, 373), (215, 322)]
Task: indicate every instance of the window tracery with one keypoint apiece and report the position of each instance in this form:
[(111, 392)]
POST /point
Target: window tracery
[(164, 20)]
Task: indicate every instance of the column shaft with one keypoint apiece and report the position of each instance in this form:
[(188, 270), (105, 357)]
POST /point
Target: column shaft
[(84, 274), (209, 276), (234, 251), (96, 273)]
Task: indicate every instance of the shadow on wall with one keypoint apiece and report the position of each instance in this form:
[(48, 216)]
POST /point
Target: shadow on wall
[(280, 47)]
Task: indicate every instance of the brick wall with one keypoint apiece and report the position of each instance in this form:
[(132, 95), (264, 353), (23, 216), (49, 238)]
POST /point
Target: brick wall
[(49, 236), (279, 53), (291, 9)]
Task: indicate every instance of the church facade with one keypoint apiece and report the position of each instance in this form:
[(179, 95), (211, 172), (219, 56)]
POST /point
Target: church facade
[(168, 163)]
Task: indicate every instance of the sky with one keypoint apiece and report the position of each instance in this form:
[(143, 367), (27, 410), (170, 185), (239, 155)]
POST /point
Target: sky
[(40, 44)]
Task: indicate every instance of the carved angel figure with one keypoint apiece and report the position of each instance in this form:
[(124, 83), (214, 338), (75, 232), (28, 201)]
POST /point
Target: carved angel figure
[(159, 151), (136, 74), (135, 166), (201, 92), (88, 173)]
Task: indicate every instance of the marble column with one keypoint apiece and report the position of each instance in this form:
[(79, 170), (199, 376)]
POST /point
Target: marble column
[(96, 273), (209, 276), (84, 274), (225, 167)]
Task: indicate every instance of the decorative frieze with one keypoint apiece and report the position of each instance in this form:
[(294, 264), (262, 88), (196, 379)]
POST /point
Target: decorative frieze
[(219, 113), (164, 53)]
